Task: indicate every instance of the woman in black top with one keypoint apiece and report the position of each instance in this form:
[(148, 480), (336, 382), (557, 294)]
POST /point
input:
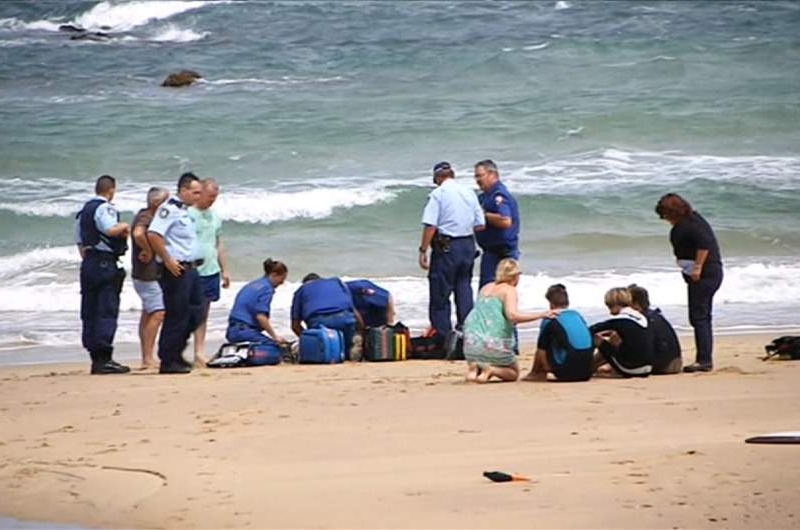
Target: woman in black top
[(697, 251)]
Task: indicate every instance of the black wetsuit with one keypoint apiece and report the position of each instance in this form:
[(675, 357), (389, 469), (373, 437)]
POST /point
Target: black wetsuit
[(634, 357)]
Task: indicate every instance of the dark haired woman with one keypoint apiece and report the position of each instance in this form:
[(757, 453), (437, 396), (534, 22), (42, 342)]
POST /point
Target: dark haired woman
[(697, 251), (249, 318)]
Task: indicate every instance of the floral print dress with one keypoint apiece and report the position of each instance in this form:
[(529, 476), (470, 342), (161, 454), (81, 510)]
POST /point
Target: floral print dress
[(488, 334)]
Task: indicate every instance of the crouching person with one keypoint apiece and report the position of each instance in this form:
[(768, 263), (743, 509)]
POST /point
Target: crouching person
[(565, 346), (666, 346), (374, 303), (489, 328), (325, 302), (624, 341), (249, 320)]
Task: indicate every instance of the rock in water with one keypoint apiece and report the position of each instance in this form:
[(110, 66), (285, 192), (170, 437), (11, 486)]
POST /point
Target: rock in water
[(69, 28), (182, 78)]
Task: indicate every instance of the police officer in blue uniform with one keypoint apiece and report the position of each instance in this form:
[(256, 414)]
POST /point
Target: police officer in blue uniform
[(101, 240), (449, 219), (325, 302), (500, 239), (173, 238), (250, 315), (374, 303)]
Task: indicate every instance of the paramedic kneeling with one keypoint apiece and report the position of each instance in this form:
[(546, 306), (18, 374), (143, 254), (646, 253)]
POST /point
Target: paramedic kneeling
[(324, 302), (249, 318), (374, 303)]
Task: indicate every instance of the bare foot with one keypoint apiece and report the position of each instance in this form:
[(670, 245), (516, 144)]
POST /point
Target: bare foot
[(199, 361), (535, 376), (145, 366), (484, 376), (472, 376)]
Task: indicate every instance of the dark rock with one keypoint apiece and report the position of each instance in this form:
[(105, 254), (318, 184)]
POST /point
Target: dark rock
[(182, 78), (91, 35), (69, 28)]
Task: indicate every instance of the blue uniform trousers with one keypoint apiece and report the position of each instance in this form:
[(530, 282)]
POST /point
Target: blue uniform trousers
[(450, 272), (489, 262), (184, 307), (238, 332), (101, 282), (701, 296), (344, 321)]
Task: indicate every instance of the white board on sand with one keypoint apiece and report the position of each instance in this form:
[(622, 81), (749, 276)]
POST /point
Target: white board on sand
[(790, 437)]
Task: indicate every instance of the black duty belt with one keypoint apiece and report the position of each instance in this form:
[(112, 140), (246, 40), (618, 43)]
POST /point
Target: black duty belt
[(193, 264)]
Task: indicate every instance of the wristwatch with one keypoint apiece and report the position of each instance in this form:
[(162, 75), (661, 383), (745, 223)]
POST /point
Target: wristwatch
[(422, 250)]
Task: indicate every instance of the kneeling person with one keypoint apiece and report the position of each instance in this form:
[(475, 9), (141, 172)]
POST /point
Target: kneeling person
[(324, 302), (565, 343), (249, 317), (374, 303)]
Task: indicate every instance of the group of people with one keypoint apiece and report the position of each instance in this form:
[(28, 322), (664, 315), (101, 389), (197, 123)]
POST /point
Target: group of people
[(635, 341), (179, 265), (456, 222)]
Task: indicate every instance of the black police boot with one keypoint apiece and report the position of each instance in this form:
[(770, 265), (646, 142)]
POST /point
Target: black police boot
[(174, 367), (109, 367)]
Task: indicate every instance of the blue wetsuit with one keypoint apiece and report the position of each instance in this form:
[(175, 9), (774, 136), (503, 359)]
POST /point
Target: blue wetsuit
[(568, 344)]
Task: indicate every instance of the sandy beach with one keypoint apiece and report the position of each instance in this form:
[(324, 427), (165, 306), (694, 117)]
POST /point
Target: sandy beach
[(400, 445)]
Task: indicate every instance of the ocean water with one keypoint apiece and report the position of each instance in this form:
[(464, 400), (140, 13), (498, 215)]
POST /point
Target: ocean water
[(322, 120)]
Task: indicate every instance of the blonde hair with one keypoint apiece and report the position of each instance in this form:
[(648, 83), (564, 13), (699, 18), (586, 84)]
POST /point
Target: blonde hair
[(507, 270), (618, 297)]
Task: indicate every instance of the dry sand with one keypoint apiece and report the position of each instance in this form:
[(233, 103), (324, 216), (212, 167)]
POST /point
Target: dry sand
[(401, 445)]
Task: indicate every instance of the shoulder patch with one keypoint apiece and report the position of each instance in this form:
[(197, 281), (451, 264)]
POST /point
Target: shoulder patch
[(498, 199), (163, 213)]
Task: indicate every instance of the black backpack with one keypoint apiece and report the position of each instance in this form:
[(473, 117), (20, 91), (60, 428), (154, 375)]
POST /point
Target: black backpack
[(786, 347)]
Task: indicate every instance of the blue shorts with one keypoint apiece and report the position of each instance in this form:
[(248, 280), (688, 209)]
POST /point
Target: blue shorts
[(151, 295), (210, 287)]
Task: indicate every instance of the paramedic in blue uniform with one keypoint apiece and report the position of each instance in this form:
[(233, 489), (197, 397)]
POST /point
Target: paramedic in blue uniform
[(500, 239), (374, 303), (101, 240), (173, 238), (249, 320), (449, 219), (324, 302)]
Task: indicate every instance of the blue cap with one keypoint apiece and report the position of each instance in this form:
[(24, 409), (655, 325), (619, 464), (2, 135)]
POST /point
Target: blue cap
[(441, 166)]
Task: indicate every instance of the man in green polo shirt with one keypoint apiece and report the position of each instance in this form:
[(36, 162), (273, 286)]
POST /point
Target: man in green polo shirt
[(214, 270)]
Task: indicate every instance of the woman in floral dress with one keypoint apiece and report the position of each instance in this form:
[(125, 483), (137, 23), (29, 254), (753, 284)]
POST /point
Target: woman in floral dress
[(489, 328)]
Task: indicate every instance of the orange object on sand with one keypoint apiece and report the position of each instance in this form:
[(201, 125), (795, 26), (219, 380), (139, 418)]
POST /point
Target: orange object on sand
[(499, 476)]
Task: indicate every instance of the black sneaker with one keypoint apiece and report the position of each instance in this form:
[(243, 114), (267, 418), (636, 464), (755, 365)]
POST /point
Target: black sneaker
[(175, 368), (109, 367), (698, 367)]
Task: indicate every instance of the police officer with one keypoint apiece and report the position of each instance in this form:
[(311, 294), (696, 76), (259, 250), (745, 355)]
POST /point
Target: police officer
[(101, 240), (451, 215), (374, 303), (325, 302), (173, 238), (500, 239), (250, 315)]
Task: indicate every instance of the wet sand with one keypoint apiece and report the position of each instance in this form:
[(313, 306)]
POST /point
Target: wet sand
[(400, 445)]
